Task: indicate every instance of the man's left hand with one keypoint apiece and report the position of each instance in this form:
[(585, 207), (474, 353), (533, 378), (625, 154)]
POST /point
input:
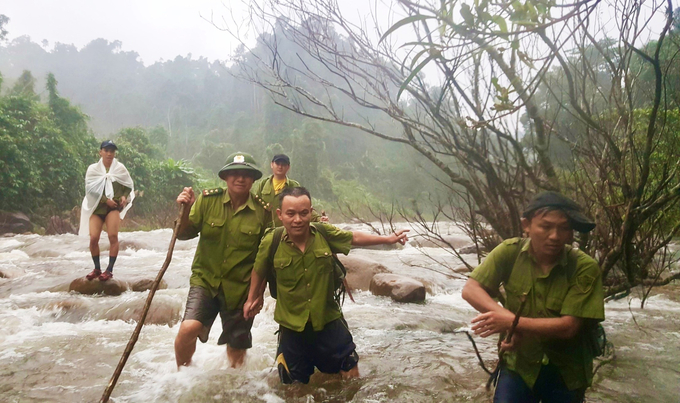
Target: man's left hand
[(492, 322), (123, 202)]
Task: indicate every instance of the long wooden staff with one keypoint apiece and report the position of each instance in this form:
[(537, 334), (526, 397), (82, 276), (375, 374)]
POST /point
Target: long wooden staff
[(508, 339), (147, 305)]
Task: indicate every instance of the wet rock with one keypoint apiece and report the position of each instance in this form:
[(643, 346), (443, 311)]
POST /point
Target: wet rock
[(471, 249), (399, 288), (163, 311), (145, 284), (16, 223), (2, 275), (360, 271), (462, 270), (58, 226), (457, 241), (92, 287)]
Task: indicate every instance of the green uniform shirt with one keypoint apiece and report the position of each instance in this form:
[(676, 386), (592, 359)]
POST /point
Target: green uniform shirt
[(572, 287), (304, 280), (264, 190), (118, 191), (228, 244)]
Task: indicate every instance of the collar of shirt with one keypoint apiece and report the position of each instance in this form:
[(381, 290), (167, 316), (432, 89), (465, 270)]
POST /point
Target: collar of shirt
[(249, 202), (312, 232), (269, 184), (561, 262)]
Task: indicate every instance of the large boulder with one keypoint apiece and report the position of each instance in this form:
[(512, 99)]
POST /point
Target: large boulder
[(145, 284), (15, 223), (92, 287), (360, 271), (399, 288), (58, 226)]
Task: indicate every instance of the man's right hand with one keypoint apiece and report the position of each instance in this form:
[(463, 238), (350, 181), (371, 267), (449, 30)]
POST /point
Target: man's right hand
[(252, 307), (111, 204), (187, 197)]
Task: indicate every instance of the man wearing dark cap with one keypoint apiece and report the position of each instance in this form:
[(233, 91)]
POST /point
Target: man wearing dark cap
[(231, 223), (268, 188), (109, 192), (549, 358)]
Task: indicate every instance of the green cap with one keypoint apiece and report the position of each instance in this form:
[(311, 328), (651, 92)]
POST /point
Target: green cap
[(239, 160)]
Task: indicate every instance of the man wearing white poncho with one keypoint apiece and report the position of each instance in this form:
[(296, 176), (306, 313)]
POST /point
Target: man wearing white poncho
[(109, 193)]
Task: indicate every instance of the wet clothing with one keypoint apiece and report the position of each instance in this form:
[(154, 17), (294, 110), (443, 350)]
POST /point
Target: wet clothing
[(572, 287), (313, 331), (304, 280), (549, 388), (331, 350), (203, 307), (265, 191), (228, 244), (118, 191)]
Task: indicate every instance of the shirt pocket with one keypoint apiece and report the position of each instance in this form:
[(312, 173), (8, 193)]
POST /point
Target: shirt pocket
[(323, 258), (212, 229), (249, 236), (283, 269)]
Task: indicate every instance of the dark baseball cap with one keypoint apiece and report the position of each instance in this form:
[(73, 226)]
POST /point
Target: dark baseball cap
[(577, 219), (281, 158), (108, 144)]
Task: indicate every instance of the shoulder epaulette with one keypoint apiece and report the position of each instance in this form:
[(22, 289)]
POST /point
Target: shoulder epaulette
[(512, 241), (262, 202), (213, 192)]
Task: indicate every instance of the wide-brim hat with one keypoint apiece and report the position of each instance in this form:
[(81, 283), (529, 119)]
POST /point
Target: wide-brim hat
[(577, 219), (242, 161)]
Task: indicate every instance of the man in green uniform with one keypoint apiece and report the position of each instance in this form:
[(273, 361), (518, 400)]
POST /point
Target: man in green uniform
[(313, 332), (267, 189), (550, 357), (231, 224)]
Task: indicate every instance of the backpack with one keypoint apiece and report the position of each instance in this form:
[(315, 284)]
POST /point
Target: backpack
[(592, 330), (339, 271)]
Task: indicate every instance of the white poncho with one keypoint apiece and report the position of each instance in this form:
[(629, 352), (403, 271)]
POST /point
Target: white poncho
[(98, 182)]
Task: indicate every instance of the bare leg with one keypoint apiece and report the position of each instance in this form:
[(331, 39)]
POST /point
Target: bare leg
[(236, 356), (112, 225), (96, 224), (185, 342), (352, 373)]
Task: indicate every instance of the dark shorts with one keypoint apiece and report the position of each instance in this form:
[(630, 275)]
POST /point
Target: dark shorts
[(549, 388), (204, 308), (330, 350)]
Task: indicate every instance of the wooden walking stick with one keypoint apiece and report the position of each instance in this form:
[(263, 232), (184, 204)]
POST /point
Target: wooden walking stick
[(147, 305), (508, 339)]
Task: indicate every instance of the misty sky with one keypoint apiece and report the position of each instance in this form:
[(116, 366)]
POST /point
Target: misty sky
[(153, 28)]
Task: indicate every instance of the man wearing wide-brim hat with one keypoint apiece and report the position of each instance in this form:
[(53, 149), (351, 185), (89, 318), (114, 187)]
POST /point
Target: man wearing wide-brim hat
[(555, 290), (230, 223)]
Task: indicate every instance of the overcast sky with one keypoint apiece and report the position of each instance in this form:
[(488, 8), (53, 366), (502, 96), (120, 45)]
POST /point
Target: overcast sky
[(153, 28)]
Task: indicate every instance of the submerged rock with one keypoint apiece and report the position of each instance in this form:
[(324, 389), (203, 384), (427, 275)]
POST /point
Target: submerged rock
[(145, 284), (457, 241), (360, 271), (92, 287), (399, 288)]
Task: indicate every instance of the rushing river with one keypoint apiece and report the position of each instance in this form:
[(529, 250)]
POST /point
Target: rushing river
[(57, 346)]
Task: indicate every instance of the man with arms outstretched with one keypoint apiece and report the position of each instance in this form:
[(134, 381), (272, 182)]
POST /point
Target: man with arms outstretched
[(313, 332), (550, 357)]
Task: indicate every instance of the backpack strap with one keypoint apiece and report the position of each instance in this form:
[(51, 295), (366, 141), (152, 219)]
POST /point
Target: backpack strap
[(345, 287), (271, 274)]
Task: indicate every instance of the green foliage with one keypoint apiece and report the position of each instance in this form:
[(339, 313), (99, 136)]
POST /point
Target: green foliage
[(41, 167), (158, 180)]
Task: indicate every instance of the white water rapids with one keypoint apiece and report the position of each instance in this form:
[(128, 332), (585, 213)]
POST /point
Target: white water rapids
[(57, 346)]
